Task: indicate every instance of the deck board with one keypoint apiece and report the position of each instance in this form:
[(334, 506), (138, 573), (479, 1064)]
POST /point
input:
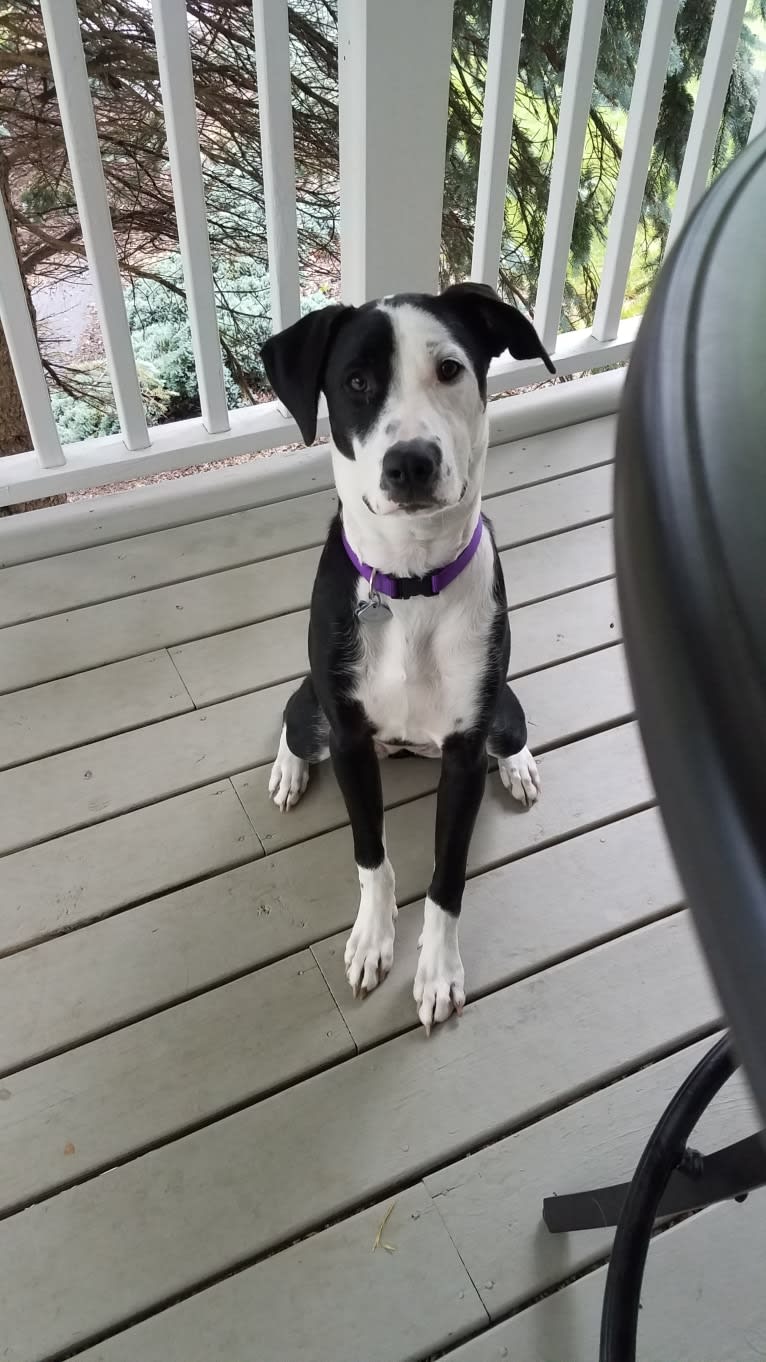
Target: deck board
[(92, 1106), (561, 702), (99, 780), (224, 1316), (60, 645), (516, 920), (200, 1129), (292, 1304), (159, 558), (85, 875), (155, 1227), (44, 649), (491, 1202), (539, 458), (702, 1300), (74, 788), (124, 1090), (114, 971), (108, 571), (552, 630), (79, 709)]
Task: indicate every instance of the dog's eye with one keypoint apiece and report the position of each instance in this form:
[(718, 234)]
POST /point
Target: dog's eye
[(357, 383), (448, 370)]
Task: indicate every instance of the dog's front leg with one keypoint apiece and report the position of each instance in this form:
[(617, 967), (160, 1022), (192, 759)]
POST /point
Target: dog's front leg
[(439, 981), (369, 951)]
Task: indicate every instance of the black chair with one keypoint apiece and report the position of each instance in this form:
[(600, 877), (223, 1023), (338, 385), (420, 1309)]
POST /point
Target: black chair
[(690, 533)]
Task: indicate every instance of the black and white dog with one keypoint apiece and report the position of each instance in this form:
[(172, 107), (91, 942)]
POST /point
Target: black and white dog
[(408, 637)]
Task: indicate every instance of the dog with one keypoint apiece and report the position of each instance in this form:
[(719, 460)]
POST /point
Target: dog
[(409, 641)]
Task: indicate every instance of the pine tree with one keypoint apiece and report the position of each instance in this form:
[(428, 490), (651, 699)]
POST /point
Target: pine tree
[(119, 46)]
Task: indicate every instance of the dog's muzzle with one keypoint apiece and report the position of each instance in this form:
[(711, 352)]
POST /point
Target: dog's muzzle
[(410, 472)]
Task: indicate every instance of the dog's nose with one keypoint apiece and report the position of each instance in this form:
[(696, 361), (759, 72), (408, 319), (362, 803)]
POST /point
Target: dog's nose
[(410, 469)]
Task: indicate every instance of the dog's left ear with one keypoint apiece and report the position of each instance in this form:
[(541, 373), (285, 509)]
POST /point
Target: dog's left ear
[(295, 361), (496, 325)]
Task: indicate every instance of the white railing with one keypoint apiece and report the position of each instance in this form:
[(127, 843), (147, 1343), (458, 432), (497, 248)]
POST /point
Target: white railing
[(394, 72)]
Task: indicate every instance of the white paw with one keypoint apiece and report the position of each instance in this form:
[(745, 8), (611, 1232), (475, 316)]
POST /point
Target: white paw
[(519, 774), (369, 952), (289, 777), (440, 979)]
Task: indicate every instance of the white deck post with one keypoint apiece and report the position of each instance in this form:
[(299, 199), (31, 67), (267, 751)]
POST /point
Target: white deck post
[(708, 109), (651, 71), (576, 96), (394, 61), (25, 356), (758, 124), (497, 128), (180, 114), (275, 111), (71, 80)]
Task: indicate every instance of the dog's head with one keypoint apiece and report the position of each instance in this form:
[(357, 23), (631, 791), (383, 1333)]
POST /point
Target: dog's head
[(406, 386)]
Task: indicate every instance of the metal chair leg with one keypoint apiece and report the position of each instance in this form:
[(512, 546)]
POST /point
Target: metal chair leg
[(664, 1151)]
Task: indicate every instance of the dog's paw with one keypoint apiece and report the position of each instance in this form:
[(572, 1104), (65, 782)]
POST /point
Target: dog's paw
[(519, 774), (440, 979), (289, 777), (369, 952)]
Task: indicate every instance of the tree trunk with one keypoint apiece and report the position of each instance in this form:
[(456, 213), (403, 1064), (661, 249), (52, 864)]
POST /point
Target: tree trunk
[(14, 431)]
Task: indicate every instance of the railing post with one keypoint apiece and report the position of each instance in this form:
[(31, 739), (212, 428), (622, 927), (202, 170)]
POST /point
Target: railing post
[(576, 96), (496, 131), (394, 61), (649, 83), (179, 108), (275, 112), (70, 76), (708, 108)]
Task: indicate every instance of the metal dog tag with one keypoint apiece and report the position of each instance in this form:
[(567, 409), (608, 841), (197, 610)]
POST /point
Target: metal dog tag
[(373, 610)]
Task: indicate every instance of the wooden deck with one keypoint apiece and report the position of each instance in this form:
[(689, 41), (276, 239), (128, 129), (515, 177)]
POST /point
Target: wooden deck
[(201, 1132)]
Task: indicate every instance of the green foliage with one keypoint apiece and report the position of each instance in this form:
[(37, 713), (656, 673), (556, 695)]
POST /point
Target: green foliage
[(121, 54), (162, 343), (538, 93), (159, 324)]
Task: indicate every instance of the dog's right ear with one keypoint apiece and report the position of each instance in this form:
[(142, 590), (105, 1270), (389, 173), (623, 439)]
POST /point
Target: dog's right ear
[(295, 361)]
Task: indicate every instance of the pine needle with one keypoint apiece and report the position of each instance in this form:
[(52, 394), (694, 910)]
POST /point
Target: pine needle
[(379, 1235)]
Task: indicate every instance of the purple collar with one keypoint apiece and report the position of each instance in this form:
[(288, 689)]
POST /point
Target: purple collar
[(402, 588)]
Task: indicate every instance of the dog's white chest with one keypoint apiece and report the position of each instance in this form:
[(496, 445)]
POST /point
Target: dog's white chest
[(420, 673)]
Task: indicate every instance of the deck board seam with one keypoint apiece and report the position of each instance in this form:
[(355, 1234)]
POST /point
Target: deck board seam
[(303, 548), (594, 1265), (508, 981), (312, 543), (539, 749), (511, 980), (256, 833), (128, 728), (279, 680), (395, 1187), (172, 661), (143, 900)]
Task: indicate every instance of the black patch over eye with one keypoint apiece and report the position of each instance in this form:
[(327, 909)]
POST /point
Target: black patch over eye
[(448, 370), (357, 383)]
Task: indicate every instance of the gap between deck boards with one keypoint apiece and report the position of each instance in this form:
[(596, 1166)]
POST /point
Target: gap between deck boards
[(545, 932), (164, 616), (152, 558), (316, 875), (120, 697), (479, 1082)]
